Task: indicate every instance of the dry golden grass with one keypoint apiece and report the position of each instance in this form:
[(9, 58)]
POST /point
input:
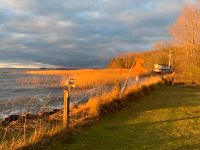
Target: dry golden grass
[(84, 78), (106, 103), (30, 133), (25, 132), (110, 101)]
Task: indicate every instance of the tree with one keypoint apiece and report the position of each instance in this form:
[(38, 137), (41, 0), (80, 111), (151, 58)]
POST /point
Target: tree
[(186, 29), (160, 45)]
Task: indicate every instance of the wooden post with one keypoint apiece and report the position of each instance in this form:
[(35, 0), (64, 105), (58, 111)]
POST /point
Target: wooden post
[(137, 81), (66, 102), (66, 108)]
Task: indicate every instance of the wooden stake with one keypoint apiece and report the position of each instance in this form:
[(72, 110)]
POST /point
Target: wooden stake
[(66, 109)]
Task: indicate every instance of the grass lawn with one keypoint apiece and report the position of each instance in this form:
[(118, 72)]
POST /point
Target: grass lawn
[(167, 118)]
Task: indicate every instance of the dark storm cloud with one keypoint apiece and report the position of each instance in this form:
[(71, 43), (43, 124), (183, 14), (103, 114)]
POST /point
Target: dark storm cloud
[(77, 33)]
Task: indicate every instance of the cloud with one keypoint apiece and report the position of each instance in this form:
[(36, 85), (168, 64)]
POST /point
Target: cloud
[(80, 33)]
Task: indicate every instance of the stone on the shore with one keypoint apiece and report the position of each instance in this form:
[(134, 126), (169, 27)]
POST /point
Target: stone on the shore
[(11, 118)]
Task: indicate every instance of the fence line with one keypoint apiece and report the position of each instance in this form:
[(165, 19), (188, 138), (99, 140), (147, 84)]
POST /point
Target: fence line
[(49, 120)]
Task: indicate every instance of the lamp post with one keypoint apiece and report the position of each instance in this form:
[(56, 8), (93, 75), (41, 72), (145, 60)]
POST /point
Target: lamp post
[(66, 102)]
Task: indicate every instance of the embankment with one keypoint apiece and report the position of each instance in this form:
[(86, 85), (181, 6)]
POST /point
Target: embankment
[(81, 115), (167, 118)]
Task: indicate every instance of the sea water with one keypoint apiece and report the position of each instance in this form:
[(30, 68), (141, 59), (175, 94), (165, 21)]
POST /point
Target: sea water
[(16, 98)]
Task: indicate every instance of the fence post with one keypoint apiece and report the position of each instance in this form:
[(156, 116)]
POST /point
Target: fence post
[(66, 103), (137, 81), (66, 108)]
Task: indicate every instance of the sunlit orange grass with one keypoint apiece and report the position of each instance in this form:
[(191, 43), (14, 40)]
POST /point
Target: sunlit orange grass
[(86, 78), (40, 132), (145, 85), (93, 106)]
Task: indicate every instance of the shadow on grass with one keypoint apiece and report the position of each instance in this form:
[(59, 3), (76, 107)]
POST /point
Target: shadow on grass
[(137, 136)]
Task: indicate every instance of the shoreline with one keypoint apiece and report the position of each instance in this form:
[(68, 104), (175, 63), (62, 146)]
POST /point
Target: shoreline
[(15, 117), (34, 105)]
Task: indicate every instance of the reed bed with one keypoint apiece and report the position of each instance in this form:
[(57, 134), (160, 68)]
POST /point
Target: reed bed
[(84, 78)]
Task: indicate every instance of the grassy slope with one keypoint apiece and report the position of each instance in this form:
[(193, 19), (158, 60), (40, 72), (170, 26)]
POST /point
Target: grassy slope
[(168, 118)]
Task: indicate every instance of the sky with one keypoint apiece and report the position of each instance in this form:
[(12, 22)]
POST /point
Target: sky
[(80, 33)]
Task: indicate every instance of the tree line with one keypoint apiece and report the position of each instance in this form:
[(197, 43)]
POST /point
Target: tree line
[(185, 47)]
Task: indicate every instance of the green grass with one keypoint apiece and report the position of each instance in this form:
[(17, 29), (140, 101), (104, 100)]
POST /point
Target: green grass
[(168, 118)]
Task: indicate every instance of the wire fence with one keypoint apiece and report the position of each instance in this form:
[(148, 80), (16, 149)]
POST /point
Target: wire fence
[(47, 102), (27, 119)]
